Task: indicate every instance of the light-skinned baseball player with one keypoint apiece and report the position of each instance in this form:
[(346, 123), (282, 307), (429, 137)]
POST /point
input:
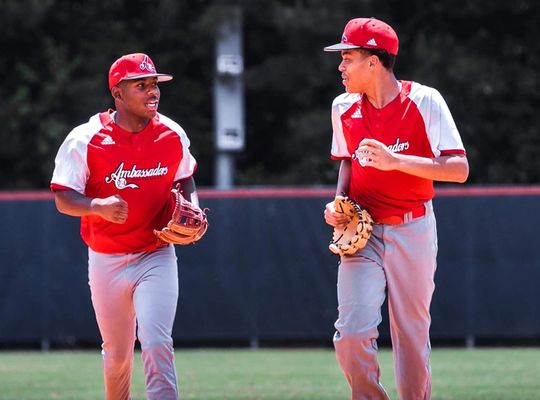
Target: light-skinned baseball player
[(116, 172), (394, 138)]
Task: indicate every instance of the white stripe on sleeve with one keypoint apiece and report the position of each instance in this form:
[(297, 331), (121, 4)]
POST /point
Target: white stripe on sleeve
[(441, 129), (339, 106), (71, 163), (187, 165)]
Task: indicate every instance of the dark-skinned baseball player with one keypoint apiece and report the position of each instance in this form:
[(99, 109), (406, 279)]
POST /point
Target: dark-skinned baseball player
[(116, 173), (394, 138)]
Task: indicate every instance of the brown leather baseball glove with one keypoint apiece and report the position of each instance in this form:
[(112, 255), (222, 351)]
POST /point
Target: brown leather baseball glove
[(354, 236), (187, 225)]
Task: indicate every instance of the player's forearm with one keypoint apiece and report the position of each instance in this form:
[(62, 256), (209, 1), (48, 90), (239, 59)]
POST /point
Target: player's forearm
[(344, 178), (188, 190), (72, 203), (443, 169), (113, 208)]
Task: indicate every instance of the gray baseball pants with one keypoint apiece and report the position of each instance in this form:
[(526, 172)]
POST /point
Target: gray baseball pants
[(136, 294), (399, 261)]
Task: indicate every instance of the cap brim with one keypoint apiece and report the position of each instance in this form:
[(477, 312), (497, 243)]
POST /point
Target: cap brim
[(341, 46), (161, 77)]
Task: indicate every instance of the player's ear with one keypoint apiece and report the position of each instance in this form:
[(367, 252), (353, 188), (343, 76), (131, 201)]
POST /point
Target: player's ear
[(116, 93)]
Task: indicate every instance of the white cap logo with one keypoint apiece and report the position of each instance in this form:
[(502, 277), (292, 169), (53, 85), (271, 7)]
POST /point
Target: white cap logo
[(371, 42), (146, 65), (344, 39)]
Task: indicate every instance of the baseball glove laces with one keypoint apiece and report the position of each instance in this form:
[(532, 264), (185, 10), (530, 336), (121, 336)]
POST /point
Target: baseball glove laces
[(348, 239), (188, 223)]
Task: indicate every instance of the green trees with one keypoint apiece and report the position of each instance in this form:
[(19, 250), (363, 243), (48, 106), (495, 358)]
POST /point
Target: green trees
[(483, 58)]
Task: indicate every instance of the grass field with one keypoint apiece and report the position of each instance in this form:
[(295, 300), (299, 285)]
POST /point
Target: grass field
[(271, 374)]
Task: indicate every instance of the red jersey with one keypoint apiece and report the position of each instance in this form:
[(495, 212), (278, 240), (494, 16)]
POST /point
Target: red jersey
[(99, 159), (417, 122)]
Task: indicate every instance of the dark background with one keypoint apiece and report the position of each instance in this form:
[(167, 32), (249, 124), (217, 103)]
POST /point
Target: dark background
[(482, 56)]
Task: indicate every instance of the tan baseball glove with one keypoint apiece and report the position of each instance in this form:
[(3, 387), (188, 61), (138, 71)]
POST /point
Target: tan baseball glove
[(354, 236), (187, 225)]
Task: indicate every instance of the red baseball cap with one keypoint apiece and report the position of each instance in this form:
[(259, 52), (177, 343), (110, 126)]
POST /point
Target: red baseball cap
[(367, 33), (134, 66)]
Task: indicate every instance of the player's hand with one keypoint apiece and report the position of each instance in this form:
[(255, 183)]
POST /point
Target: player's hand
[(372, 153), (113, 209), (334, 218)]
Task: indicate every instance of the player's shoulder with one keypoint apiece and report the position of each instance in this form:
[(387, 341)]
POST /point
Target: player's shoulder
[(345, 101), (86, 131), (418, 91), (170, 123)]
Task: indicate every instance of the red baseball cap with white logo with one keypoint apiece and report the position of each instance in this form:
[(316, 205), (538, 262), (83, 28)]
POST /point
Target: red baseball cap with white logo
[(134, 66), (367, 33)]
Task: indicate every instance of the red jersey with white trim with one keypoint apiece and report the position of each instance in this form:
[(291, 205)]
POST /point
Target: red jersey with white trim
[(417, 122), (99, 159)]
